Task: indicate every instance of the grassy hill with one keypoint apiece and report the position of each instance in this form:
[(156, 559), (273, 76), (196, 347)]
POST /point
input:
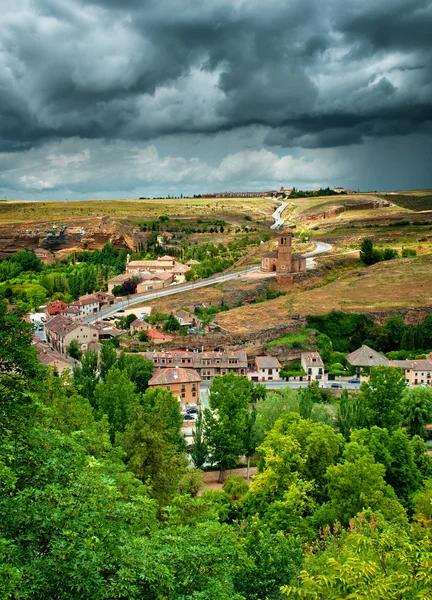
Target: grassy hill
[(415, 202)]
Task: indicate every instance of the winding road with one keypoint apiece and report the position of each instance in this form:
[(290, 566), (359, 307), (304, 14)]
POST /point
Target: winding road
[(186, 287)]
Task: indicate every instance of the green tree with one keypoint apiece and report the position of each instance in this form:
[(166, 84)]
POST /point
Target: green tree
[(417, 410), (270, 409), (372, 559), (225, 422), (171, 324), (108, 358), (199, 451), (350, 414), (152, 440), (74, 350), (116, 398), (138, 368), (85, 376), (356, 484), (382, 397)]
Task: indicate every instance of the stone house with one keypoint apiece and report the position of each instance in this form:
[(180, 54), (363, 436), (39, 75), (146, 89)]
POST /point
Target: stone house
[(187, 319), (139, 325), (417, 372), (367, 357), (60, 331), (313, 365), (208, 364), (182, 383), (55, 360), (267, 368)]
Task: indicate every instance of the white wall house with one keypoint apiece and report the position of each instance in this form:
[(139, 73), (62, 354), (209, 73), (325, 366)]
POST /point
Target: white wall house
[(313, 365)]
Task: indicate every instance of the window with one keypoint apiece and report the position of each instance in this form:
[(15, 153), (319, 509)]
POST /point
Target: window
[(193, 394), (168, 387), (183, 396), (270, 371), (183, 388)]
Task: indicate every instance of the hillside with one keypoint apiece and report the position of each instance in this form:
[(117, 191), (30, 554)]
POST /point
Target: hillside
[(401, 283)]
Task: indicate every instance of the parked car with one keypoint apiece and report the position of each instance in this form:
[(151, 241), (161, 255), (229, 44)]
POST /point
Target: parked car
[(106, 319), (188, 417), (121, 310), (43, 319), (192, 411), (355, 380), (337, 386)]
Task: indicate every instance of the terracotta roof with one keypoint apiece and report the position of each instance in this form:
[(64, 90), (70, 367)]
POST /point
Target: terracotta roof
[(174, 375), (72, 309), (149, 263), (166, 257), (312, 359), (270, 255), (47, 356), (158, 335), (55, 307), (179, 268), (267, 362), (415, 365), (120, 278), (192, 261), (86, 299), (367, 357), (62, 325)]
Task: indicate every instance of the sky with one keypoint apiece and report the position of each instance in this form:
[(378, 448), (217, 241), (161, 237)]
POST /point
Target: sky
[(129, 98)]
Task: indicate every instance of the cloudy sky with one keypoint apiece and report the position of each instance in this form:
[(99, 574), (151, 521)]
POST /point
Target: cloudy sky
[(123, 98)]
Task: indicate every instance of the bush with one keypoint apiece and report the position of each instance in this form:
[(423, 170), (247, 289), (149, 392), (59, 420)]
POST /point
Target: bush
[(236, 487), (408, 252)]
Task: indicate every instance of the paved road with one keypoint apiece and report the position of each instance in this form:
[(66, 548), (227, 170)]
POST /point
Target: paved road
[(295, 385), (277, 216), (320, 248), (169, 291)]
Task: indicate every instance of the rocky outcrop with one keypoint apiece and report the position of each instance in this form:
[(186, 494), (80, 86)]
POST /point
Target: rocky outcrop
[(87, 234), (333, 211)]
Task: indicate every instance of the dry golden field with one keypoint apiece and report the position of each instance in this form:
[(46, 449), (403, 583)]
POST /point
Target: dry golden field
[(21, 212)]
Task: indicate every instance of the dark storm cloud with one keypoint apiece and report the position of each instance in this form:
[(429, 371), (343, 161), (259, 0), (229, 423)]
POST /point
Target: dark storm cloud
[(316, 74)]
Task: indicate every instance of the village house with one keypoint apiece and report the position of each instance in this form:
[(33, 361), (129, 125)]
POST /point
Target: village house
[(87, 305), (51, 358), (153, 281), (367, 357), (187, 319), (72, 312), (164, 238), (417, 372), (313, 365), (267, 368), (208, 364), (158, 337), (182, 383), (139, 325), (283, 260), (55, 308), (104, 299), (60, 331), (147, 280)]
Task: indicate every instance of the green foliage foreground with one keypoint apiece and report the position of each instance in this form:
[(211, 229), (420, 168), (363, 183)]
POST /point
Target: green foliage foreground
[(96, 501)]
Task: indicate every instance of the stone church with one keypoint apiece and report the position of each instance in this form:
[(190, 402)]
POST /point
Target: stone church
[(283, 260)]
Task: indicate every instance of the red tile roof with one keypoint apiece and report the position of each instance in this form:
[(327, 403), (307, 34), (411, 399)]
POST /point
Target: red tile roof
[(174, 375), (158, 335), (53, 308)]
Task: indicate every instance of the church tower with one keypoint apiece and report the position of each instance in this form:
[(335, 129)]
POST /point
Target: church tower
[(284, 253)]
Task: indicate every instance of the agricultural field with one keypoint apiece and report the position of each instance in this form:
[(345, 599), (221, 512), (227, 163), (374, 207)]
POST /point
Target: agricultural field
[(22, 212)]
